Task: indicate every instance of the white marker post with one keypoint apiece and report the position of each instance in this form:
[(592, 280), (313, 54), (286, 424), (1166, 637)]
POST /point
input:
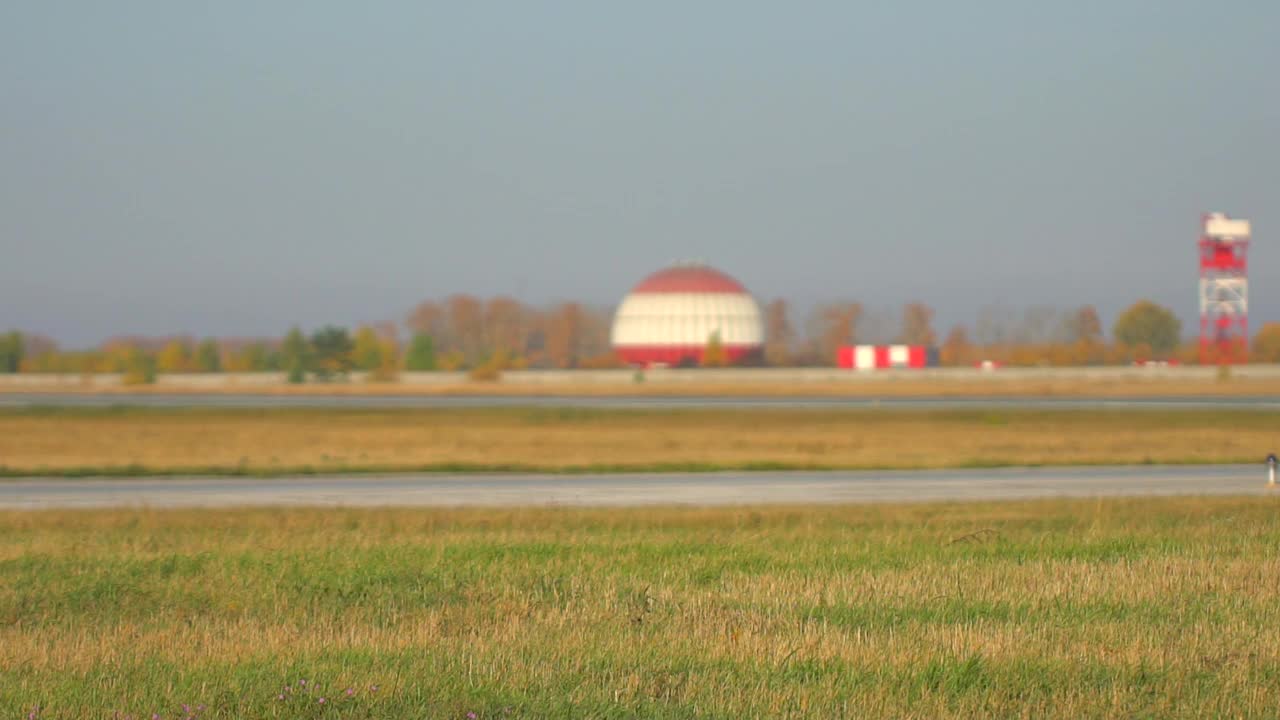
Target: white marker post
[(1271, 470)]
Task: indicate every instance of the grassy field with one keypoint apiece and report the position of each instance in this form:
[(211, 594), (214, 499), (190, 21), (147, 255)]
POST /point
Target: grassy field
[(1109, 608), (140, 441)]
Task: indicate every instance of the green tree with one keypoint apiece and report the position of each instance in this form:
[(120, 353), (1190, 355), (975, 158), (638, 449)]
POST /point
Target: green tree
[(208, 356), (139, 367), (255, 357), (295, 355), (1148, 324), (422, 353), (366, 352), (11, 351), (331, 350)]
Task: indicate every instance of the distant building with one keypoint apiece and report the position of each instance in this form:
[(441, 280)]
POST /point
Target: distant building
[(884, 357), (672, 315)]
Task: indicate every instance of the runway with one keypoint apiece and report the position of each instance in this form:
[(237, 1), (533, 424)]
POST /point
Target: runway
[(446, 490), (250, 400)]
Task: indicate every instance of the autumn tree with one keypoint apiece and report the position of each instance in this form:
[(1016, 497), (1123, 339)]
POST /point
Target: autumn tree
[(113, 355), (255, 357), (366, 353), (38, 352), (466, 324), (1083, 331), (376, 350), (389, 349), (836, 325), (1083, 324), (595, 338), (992, 330), (1266, 344), (778, 334), (11, 351), (917, 325), (564, 335), (174, 357), (429, 318), (713, 355), (504, 328), (956, 349), (1148, 325), (1035, 325)]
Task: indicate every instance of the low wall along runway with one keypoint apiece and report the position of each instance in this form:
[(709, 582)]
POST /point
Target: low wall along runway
[(1242, 379)]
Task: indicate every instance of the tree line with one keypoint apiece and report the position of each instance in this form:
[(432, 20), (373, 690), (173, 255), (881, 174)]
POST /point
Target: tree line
[(461, 332), (488, 335)]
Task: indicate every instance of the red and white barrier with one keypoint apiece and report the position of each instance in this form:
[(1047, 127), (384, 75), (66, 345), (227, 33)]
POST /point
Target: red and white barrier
[(882, 357)]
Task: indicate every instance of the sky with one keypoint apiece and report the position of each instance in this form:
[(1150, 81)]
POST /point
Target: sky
[(235, 168)]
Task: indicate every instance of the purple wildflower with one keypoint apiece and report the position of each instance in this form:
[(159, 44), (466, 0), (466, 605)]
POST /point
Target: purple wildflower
[(350, 692), (321, 701)]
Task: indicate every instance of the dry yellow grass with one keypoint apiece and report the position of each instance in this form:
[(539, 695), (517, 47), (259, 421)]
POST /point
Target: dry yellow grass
[(283, 440)]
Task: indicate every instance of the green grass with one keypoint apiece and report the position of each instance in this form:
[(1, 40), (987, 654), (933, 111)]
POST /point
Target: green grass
[(1099, 608)]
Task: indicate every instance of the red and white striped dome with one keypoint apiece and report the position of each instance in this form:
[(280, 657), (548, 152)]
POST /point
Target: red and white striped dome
[(672, 314)]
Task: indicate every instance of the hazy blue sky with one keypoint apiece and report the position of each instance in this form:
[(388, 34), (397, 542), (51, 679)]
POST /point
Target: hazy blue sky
[(235, 167)]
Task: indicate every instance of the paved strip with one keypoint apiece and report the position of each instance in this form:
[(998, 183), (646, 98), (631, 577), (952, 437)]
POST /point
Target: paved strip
[(447, 490), (249, 400)]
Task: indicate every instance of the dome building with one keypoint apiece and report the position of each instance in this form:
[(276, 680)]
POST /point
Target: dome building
[(669, 318)]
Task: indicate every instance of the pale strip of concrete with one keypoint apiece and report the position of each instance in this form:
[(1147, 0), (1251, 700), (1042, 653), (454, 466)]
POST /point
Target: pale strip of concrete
[(446, 490), (621, 378), (249, 400)]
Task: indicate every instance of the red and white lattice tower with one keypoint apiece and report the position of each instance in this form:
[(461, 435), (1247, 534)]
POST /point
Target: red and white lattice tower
[(1224, 289)]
